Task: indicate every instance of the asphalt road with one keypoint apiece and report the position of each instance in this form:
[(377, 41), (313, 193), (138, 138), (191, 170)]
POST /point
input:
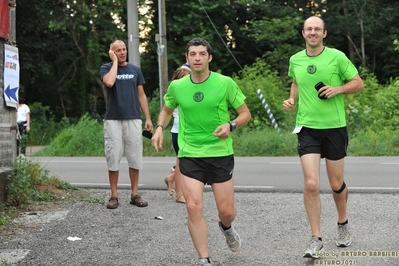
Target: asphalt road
[(260, 174)]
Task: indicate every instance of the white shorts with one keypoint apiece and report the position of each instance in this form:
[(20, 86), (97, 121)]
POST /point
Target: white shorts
[(123, 136)]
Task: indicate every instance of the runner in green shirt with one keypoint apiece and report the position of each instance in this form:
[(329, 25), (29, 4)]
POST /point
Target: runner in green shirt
[(321, 124), (332, 68), (205, 145), (202, 108)]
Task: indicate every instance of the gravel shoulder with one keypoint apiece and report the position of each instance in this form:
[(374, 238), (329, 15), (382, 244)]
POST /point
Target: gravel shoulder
[(273, 227)]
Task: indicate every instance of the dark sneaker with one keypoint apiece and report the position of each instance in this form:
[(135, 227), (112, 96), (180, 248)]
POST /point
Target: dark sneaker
[(233, 240), (344, 237), (314, 247)]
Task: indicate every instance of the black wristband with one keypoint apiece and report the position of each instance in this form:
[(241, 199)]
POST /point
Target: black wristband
[(159, 126)]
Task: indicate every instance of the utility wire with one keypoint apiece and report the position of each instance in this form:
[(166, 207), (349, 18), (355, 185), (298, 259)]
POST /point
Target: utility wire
[(258, 91), (213, 25)]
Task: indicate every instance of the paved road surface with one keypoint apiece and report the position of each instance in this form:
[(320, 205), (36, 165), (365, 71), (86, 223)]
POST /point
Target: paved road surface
[(268, 174)]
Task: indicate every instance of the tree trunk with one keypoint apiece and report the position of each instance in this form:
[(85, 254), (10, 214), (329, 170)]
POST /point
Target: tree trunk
[(351, 50)]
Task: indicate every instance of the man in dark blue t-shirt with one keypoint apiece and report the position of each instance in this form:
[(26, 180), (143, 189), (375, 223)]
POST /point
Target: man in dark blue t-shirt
[(122, 122)]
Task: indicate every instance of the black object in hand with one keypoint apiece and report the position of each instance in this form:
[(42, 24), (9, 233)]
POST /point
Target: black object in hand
[(147, 134), (318, 86)]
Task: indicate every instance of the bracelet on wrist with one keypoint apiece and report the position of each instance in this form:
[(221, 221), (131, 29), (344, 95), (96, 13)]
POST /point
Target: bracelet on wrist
[(161, 126)]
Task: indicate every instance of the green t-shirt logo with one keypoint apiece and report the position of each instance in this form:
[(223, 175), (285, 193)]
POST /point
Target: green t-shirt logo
[(198, 96), (312, 69)]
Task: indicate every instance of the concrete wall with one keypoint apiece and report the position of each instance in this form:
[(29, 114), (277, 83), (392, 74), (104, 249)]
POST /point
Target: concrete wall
[(8, 124), (8, 143)]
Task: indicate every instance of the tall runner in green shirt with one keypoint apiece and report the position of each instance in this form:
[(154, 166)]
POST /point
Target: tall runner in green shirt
[(321, 76), (205, 144)]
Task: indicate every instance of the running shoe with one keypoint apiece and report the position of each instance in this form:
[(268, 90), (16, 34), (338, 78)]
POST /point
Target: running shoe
[(204, 262), (233, 240), (314, 247), (344, 237)]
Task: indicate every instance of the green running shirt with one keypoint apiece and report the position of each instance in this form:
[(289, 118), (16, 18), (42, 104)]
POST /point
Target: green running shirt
[(203, 107), (332, 68)]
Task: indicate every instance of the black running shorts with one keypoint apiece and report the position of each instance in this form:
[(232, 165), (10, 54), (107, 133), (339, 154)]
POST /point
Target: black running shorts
[(329, 143), (208, 170)]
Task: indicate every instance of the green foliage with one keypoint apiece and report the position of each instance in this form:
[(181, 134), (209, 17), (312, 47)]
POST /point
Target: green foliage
[(267, 142), (24, 180), (359, 106), (276, 34), (396, 45), (62, 45), (375, 107), (3, 219), (43, 126), (94, 200), (5, 263), (357, 26), (264, 142), (65, 47), (260, 77), (82, 139), (29, 184), (375, 143), (167, 147), (386, 102), (7, 214), (154, 105)]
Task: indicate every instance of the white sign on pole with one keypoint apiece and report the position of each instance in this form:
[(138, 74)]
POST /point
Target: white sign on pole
[(11, 75)]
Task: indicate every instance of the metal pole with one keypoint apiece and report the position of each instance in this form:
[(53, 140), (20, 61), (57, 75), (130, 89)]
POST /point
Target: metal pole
[(13, 32), (161, 51), (158, 40), (13, 40), (164, 57), (133, 32)]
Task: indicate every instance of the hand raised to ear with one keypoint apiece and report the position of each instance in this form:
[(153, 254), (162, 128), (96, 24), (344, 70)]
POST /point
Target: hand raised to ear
[(112, 56)]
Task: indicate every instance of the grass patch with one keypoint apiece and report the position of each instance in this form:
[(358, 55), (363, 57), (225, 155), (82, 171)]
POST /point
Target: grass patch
[(371, 143), (82, 139), (266, 142)]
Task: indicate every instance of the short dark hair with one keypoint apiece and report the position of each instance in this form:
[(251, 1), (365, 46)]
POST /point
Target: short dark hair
[(197, 42)]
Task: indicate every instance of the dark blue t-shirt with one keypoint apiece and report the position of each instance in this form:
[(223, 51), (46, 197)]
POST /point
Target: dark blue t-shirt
[(123, 102)]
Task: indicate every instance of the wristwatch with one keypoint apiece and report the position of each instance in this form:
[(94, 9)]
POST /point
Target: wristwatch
[(233, 126)]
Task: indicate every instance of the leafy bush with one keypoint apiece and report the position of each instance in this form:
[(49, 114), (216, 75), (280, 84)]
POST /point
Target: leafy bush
[(374, 108), (43, 125), (260, 77), (371, 113), (24, 181), (29, 184), (82, 139)]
